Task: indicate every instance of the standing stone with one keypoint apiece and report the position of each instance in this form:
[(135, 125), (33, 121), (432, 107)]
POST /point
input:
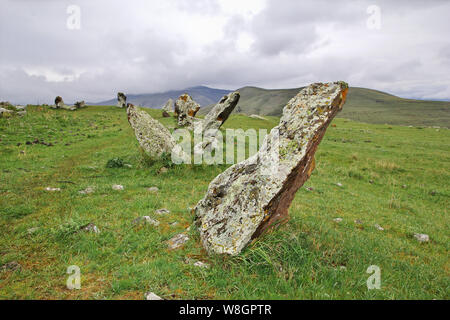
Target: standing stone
[(167, 108), (153, 137), (59, 102), (80, 104), (215, 118), (255, 194), (221, 111), (121, 100), (185, 110)]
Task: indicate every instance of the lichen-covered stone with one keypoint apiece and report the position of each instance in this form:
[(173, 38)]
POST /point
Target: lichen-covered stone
[(153, 137), (59, 104), (80, 104), (215, 118), (121, 100), (253, 195), (168, 107), (185, 110), (221, 111)]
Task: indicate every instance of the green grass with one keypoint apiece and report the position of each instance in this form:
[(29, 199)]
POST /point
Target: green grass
[(300, 260)]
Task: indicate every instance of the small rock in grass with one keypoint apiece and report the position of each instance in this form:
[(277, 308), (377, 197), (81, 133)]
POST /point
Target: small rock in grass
[(201, 264), (11, 266), (117, 187), (152, 296), (404, 186), (32, 230), (146, 219), (371, 181), (153, 189), (421, 237), (337, 220), (91, 228), (339, 184), (162, 211), (88, 190), (178, 241), (343, 268), (378, 227), (128, 165), (52, 189), (163, 170)]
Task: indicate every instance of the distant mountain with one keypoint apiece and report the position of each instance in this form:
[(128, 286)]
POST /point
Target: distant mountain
[(364, 105), (201, 94)]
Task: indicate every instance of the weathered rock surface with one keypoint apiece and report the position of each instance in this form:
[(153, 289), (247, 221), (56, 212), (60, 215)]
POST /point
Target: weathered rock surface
[(117, 187), (80, 104), (121, 100), (162, 211), (146, 219), (178, 241), (251, 196), (421, 237), (152, 296), (59, 104), (90, 228), (153, 137), (11, 266), (168, 108), (185, 110), (215, 118), (8, 110)]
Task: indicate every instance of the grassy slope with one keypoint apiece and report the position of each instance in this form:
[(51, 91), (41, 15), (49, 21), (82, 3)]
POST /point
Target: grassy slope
[(302, 259), (364, 105)]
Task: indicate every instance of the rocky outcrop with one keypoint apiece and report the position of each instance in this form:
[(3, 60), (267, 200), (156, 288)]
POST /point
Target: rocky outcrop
[(121, 100), (254, 195), (185, 110), (153, 137), (167, 108)]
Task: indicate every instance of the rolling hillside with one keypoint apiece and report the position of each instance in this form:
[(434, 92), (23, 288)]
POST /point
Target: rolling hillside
[(364, 105)]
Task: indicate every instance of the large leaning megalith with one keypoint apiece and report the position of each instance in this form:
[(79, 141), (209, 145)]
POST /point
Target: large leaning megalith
[(153, 137), (255, 194), (121, 100)]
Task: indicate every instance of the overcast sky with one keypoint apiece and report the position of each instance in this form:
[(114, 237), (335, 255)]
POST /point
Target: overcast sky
[(152, 46)]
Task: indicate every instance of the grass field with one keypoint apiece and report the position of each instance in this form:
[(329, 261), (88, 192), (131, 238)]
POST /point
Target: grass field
[(397, 177)]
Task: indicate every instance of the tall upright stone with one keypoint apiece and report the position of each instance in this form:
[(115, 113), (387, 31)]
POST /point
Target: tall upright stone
[(185, 110), (59, 103), (255, 194), (167, 108), (215, 118), (121, 100)]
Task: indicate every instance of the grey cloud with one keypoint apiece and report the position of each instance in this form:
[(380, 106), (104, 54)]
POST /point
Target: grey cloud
[(144, 46)]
